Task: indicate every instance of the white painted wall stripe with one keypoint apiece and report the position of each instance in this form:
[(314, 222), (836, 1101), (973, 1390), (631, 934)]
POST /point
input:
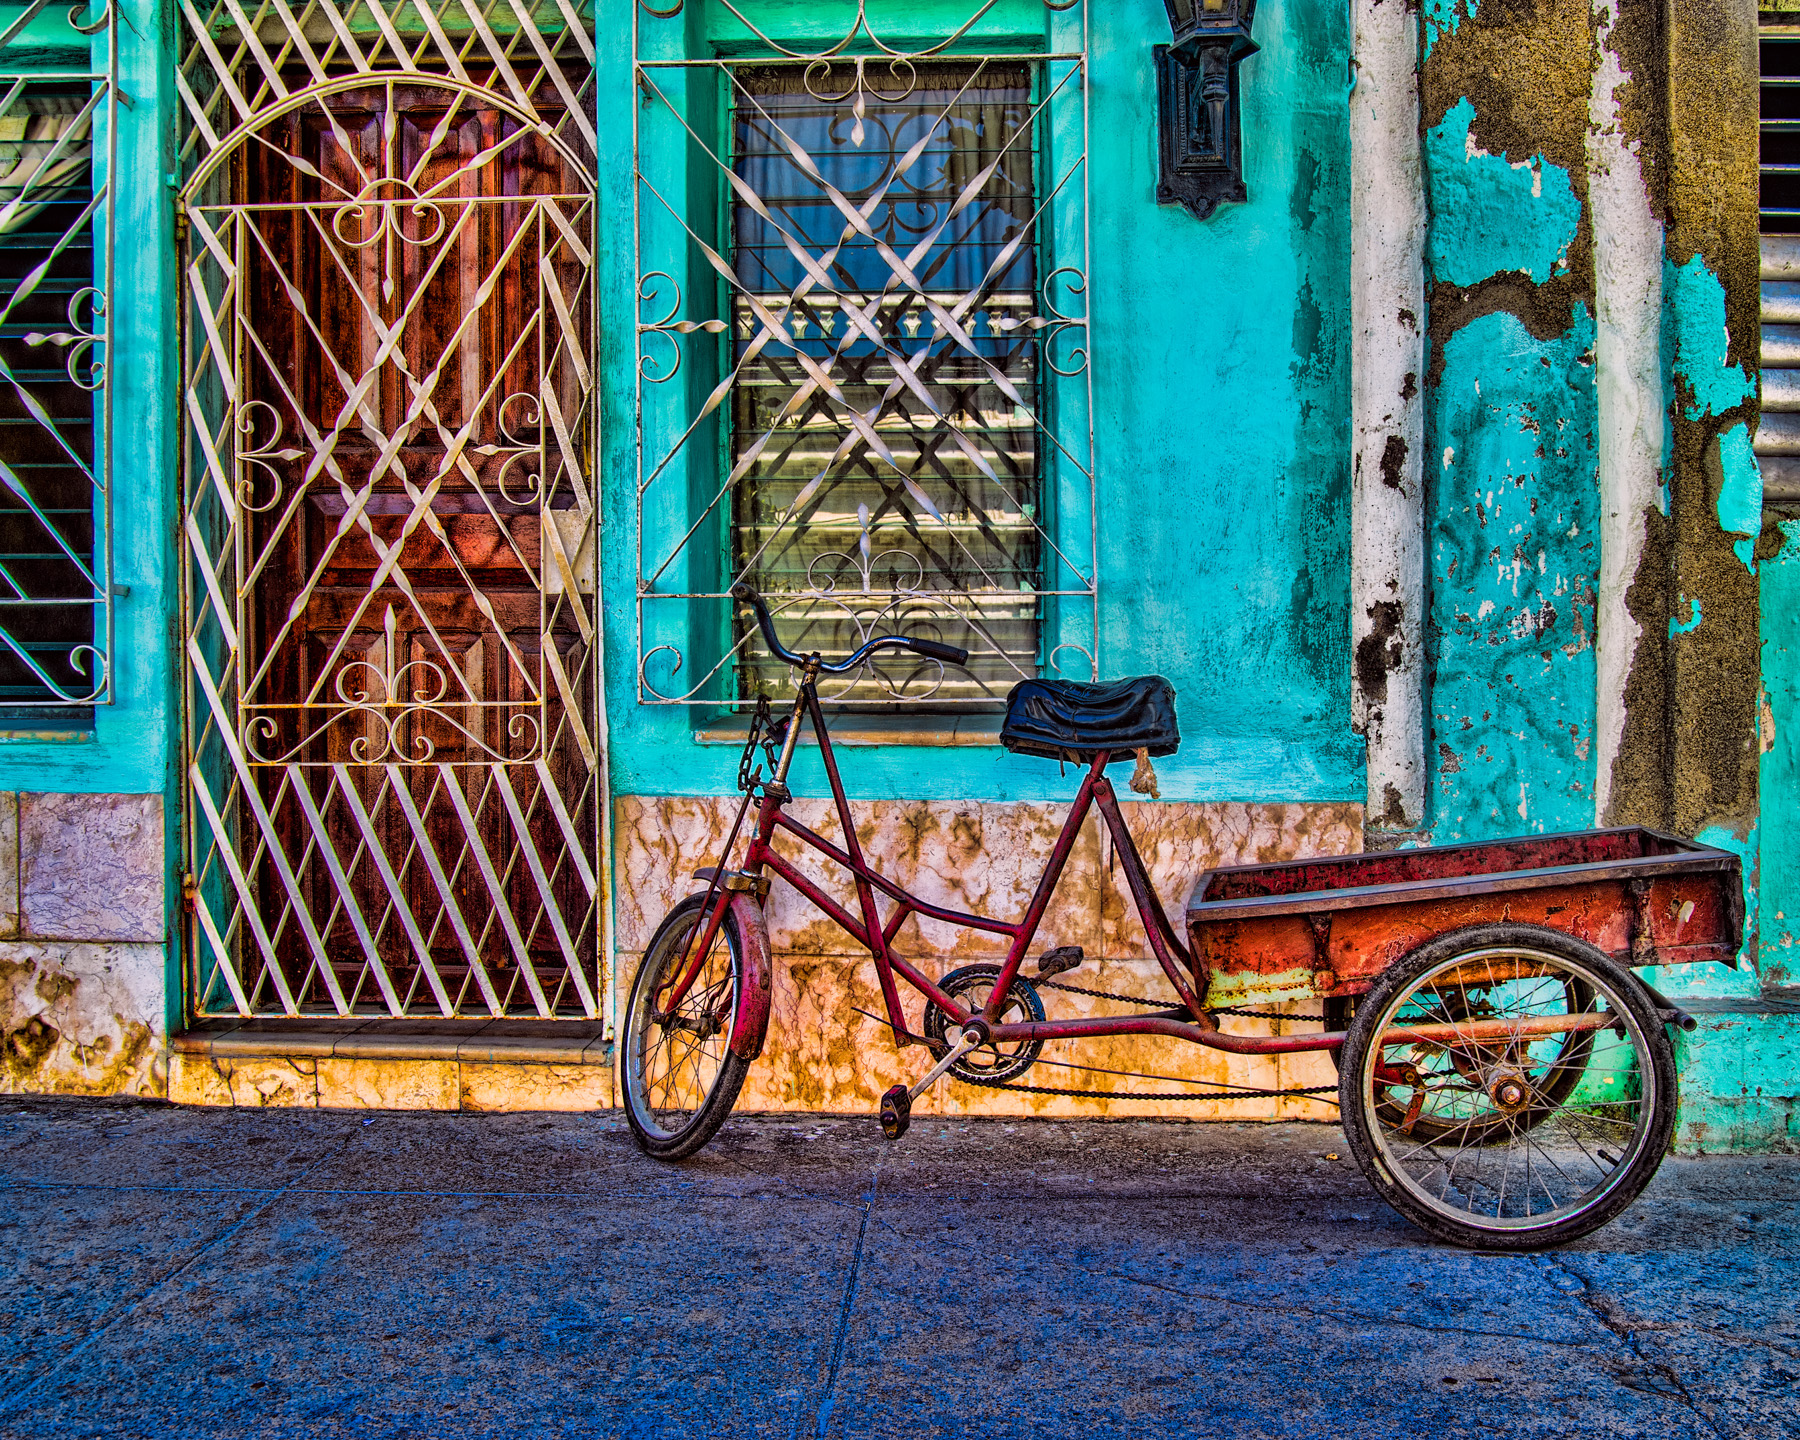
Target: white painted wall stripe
[(1628, 266), (1387, 307)]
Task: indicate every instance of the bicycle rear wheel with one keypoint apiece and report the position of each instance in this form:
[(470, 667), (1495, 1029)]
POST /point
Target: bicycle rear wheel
[(1541, 1125), (678, 1077)]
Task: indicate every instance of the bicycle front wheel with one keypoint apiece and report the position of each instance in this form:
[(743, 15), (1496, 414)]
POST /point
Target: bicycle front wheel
[(678, 1076), (1507, 1088)]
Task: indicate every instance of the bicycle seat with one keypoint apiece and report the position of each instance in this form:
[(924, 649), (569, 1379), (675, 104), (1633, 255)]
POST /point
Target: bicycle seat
[(1071, 720)]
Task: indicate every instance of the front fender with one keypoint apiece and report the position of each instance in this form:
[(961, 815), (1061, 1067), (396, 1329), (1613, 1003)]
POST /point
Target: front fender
[(757, 988)]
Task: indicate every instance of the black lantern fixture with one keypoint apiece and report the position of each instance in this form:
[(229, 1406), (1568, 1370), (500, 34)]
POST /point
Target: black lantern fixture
[(1197, 103)]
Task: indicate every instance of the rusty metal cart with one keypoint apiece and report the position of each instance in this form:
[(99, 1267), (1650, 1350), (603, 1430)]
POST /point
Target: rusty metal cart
[(1505, 1080)]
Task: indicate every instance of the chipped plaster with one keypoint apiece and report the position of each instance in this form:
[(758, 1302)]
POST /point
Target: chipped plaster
[(1628, 298)]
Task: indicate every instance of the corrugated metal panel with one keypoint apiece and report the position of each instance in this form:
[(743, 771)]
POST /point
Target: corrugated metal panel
[(1778, 437)]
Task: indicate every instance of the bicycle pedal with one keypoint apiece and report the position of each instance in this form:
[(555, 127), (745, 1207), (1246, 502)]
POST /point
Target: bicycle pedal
[(1063, 957), (896, 1112)]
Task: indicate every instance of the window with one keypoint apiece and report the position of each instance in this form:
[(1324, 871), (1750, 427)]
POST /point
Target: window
[(901, 464), (1780, 119), (54, 463), (881, 420)]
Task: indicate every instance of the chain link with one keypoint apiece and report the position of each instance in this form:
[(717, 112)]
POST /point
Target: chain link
[(1224, 1093), (1235, 1093), (1141, 1000)]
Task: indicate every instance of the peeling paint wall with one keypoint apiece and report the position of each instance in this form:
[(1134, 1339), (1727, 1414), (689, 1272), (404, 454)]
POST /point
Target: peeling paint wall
[(1778, 947), (1513, 557), (1513, 562)]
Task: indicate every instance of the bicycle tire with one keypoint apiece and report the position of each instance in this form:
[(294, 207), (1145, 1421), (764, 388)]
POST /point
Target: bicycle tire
[(672, 1131)]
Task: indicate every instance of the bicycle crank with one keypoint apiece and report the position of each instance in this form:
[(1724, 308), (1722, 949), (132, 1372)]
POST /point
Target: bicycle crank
[(896, 1104)]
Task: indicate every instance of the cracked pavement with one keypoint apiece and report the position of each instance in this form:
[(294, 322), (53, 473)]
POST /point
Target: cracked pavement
[(177, 1272)]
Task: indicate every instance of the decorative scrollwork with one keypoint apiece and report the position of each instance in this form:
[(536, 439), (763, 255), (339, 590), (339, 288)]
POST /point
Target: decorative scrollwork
[(387, 212), (1052, 326), (94, 26), (261, 458), (519, 448), (668, 327), (378, 734), (86, 344)]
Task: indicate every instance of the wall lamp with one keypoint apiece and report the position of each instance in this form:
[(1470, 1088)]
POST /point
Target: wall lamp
[(1198, 142)]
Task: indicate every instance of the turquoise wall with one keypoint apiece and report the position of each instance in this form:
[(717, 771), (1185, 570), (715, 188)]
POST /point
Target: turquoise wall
[(134, 742), (1513, 563), (1220, 419), (1778, 955)]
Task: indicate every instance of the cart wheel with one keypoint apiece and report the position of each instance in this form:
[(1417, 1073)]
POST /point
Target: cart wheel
[(677, 1076), (1525, 1135), (1562, 1070)]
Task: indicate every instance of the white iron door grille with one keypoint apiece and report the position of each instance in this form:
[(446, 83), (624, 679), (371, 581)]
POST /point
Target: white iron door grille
[(862, 381), (392, 645)]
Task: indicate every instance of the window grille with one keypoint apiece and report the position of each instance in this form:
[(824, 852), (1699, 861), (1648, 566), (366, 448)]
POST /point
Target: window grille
[(56, 138), (863, 384)]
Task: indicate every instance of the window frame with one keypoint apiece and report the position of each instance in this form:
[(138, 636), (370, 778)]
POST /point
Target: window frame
[(34, 56), (677, 619)]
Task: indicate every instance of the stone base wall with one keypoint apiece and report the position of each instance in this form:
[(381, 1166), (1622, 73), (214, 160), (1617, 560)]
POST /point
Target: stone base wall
[(341, 1083), (1740, 1083), (985, 858), (82, 945)]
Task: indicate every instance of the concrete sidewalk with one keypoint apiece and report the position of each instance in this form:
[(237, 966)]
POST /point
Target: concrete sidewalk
[(174, 1272)]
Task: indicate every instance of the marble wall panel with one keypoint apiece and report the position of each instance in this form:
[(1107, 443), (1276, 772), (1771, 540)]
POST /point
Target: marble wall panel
[(81, 1019), (971, 856), (535, 1087), (962, 855), (9, 864), (358, 1084), (823, 1055), (355, 1083), (91, 867), (1177, 842)]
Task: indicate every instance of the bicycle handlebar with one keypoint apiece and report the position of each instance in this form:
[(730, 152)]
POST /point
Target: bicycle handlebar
[(931, 649)]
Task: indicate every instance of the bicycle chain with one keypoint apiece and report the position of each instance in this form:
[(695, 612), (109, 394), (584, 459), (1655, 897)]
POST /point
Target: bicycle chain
[(1140, 1000), (1234, 1094)]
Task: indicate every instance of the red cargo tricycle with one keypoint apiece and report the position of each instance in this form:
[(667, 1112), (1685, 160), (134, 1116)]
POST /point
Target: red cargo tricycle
[(1505, 1081)]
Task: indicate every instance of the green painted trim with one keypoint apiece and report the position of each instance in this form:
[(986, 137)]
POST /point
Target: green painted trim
[(134, 737)]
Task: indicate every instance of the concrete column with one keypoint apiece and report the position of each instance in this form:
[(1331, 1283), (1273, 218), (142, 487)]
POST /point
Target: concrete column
[(1387, 303), (1628, 297)]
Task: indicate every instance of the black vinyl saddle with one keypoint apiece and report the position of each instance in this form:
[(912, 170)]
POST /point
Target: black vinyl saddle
[(1070, 720)]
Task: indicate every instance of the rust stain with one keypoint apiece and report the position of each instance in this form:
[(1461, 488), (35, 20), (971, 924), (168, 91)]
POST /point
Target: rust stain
[(1381, 650)]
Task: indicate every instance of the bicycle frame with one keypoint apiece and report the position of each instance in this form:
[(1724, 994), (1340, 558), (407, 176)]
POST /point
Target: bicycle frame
[(876, 935)]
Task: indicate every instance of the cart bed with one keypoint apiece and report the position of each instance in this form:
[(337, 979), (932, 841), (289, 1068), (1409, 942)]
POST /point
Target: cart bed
[(1308, 928)]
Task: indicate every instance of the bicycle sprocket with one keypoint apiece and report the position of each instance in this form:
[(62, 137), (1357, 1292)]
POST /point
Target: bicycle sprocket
[(991, 1063)]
